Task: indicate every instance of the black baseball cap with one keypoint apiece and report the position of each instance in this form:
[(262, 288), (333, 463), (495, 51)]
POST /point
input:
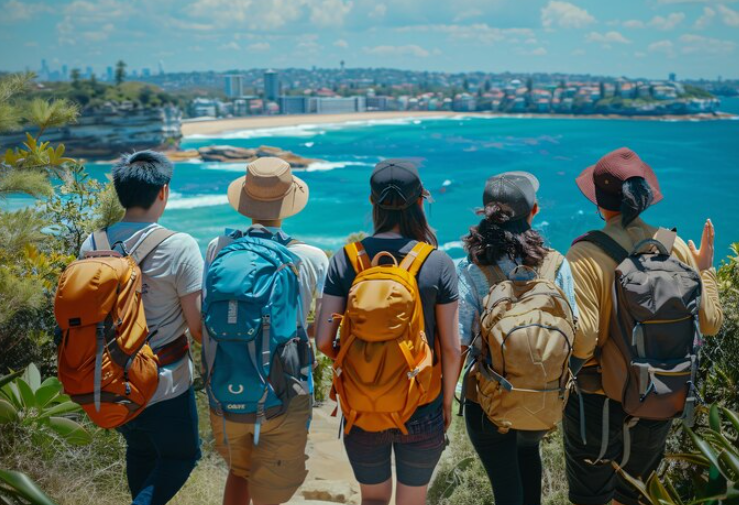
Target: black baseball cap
[(396, 181), (516, 191)]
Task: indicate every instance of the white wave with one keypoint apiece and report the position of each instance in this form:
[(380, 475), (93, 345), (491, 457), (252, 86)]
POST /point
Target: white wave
[(196, 201), (225, 167), (309, 144), (457, 244), (324, 166), (446, 183)]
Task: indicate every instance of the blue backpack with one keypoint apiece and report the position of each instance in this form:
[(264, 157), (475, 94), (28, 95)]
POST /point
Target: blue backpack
[(256, 353)]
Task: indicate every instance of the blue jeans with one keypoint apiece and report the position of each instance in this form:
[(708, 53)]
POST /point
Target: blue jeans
[(163, 447)]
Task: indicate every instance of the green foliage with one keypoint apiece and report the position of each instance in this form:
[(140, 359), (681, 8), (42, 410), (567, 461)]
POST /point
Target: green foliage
[(712, 455), (120, 72), (17, 488), (27, 401), (50, 114), (322, 377), (695, 92)]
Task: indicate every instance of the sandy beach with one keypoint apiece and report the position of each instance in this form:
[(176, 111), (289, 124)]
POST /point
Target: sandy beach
[(212, 127), (217, 126)]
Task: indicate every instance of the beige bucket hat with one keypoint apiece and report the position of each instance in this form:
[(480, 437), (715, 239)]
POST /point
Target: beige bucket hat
[(268, 191)]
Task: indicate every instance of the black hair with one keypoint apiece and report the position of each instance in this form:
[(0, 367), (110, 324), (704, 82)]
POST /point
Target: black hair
[(637, 197), (411, 220), (139, 177), (488, 242)]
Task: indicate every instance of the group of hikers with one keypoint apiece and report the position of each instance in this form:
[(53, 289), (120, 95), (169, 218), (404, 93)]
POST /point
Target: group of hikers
[(604, 339)]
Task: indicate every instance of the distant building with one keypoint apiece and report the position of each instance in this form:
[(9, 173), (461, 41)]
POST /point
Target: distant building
[(271, 85), (146, 72), (89, 73), (109, 74), (337, 105), (204, 107), (673, 77), (293, 104), (464, 103), (375, 103), (234, 85), (65, 72)]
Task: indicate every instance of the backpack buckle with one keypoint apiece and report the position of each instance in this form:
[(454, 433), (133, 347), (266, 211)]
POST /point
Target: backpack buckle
[(413, 373)]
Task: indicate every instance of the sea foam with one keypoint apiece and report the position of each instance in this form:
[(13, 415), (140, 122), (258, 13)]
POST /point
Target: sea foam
[(178, 202)]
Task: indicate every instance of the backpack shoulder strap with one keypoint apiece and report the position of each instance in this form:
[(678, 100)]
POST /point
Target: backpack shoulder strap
[(493, 273), (357, 256), (414, 260), (606, 243), (149, 243), (100, 240), (551, 265), (666, 238)]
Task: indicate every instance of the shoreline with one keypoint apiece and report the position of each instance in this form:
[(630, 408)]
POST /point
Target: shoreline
[(220, 126)]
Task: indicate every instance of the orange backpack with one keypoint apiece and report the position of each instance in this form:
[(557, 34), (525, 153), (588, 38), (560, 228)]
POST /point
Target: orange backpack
[(104, 360), (385, 367)]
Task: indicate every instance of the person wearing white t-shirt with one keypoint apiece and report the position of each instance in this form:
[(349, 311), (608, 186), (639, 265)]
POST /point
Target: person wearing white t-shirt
[(272, 470), (163, 445)]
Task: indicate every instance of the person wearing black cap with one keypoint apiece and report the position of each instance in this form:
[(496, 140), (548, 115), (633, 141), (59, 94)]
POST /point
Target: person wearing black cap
[(397, 196), (622, 187), (503, 240)]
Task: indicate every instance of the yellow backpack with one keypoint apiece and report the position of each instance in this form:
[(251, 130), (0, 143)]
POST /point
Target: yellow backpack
[(385, 367)]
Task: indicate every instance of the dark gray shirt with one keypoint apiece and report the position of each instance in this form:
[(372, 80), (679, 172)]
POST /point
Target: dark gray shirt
[(437, 283)]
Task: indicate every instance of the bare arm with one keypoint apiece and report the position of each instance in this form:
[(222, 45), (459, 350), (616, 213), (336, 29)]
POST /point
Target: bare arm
[(326, 324), (447, 320), (191, 309)]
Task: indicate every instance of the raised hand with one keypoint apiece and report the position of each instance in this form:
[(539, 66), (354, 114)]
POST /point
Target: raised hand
[(704, 256)]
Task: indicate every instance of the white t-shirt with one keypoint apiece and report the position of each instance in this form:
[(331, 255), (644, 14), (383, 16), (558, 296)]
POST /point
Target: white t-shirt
[(173, 270), (311, 269)]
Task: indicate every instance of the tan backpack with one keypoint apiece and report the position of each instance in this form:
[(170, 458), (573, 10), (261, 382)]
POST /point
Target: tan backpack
[(522, 353), (385, 368)]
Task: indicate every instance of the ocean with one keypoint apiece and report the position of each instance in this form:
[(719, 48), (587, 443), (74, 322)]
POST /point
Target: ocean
[(697, 163)]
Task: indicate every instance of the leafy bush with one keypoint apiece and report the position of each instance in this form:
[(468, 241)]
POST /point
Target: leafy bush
[(17, 488)]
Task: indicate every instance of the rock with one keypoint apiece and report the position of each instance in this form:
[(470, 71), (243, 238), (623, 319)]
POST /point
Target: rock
[(233, 154), (334, 491), (189, 154)]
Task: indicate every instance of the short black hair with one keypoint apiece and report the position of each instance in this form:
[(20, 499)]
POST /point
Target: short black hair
[(139, 177)]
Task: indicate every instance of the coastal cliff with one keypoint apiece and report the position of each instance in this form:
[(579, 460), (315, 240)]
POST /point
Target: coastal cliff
[(112, 129)]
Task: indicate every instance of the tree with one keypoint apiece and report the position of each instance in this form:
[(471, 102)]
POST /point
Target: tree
[(120, 72), (75, 74)]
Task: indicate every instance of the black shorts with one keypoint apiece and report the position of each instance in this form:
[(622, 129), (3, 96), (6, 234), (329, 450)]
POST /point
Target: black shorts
[(600, 483), (416, 454)]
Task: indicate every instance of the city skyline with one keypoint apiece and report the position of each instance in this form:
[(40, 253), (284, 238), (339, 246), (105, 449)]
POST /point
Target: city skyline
[(650, 38)]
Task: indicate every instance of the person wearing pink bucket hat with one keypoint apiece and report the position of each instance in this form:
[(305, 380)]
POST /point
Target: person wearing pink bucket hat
[(610, 267)]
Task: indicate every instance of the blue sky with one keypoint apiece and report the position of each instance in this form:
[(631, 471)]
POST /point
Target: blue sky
[(694, 38)]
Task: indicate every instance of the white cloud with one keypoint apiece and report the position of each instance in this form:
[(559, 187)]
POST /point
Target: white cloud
[(378, 12), (565, 15), (634, 24), (329, 12), (706, 19), (665, 47), (471, 13), (730, 16), (480, 33), (258, 47), (408, 50), (640, 54), (231, 46), (343, 44), (308, 44), (578, 52), (667, 2), (697, 44), (83, 19), (667, 23), (539, 51), (13, 10), (611, 37)]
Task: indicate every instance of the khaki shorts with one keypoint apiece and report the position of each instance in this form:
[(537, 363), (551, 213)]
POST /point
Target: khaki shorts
[(275, 467)]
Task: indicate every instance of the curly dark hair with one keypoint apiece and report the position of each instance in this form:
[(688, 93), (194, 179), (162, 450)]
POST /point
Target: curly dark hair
[(637, 196), (488, 242)]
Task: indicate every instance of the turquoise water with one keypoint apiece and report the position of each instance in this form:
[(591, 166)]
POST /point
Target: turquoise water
[(697, 164)]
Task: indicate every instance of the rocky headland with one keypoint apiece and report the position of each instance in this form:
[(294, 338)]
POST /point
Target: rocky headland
[(232, 154)]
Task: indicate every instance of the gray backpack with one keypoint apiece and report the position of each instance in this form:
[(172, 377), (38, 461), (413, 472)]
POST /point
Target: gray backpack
[(649, 360)]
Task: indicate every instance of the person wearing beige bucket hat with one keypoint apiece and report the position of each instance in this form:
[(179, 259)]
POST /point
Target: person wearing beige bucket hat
[(623, 186), (267, 460), (269, 191)]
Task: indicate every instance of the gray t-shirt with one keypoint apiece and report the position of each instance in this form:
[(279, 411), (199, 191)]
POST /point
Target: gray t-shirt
[(173, 270), (437, 283)]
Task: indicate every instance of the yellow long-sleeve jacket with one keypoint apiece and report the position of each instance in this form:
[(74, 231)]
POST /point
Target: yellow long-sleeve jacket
[(593, 271)]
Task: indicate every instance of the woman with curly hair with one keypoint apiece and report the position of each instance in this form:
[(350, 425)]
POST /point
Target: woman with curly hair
[(501, 242)]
